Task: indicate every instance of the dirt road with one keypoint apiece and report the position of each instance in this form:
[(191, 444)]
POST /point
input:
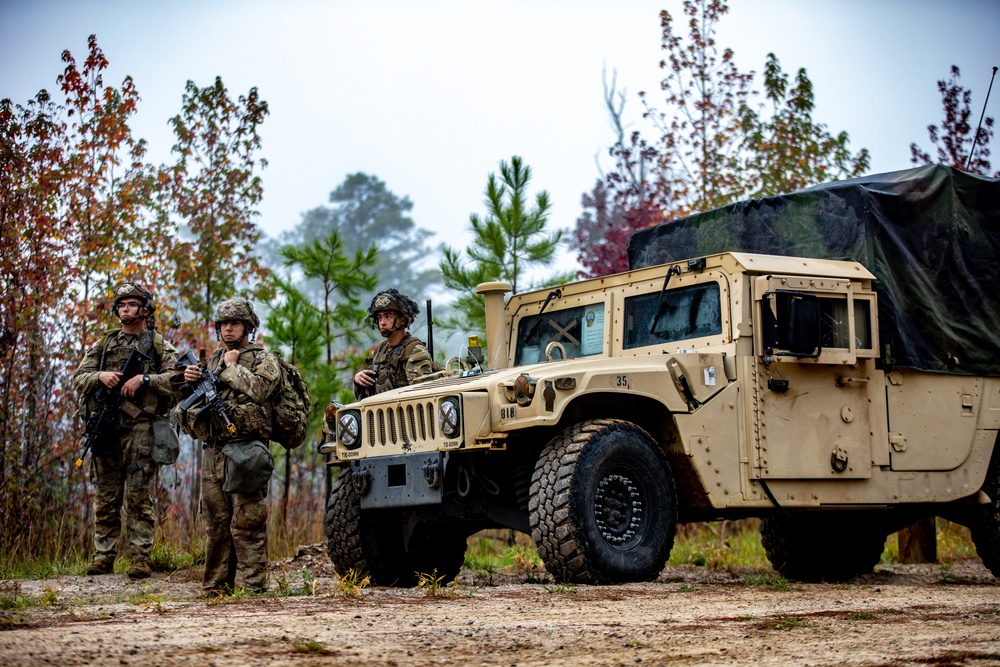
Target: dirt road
[(906, 615)]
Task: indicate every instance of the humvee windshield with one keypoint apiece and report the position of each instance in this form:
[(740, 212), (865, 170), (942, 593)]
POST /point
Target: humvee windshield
[(685, 313), (579, 330)]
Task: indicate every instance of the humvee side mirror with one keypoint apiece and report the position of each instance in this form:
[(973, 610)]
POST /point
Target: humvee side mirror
[(791, 323)]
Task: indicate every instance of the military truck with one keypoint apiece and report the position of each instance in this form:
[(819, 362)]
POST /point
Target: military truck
[(828, 361)]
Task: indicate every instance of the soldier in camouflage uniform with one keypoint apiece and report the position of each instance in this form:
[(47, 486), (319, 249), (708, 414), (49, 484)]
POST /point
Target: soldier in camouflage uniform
[(121, 466), (236, 522), (400, 358)]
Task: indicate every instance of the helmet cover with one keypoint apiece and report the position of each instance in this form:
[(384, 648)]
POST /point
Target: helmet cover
[(391, 299)]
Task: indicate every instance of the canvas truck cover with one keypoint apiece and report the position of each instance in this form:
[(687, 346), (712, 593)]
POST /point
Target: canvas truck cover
[(931, 236)]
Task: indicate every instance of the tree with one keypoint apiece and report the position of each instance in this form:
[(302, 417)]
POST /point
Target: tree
[(36, 253), (342, 279), (714, 148), (955, 137), (698, 150), (107, 189), (365, 213), (215, 188), (621, 202), (788, 151), (507, 241)]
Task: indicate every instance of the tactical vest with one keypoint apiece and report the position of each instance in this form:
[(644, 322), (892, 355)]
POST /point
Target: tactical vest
[(115, 353), (252, 420), (389, 363)]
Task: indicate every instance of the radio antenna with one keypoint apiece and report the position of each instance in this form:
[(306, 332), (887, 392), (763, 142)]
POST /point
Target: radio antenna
[(976, 139)]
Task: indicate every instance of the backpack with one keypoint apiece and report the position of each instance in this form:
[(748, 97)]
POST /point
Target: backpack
[(291, 407)]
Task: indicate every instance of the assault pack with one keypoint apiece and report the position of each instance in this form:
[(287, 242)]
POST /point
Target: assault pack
[(292, 407)]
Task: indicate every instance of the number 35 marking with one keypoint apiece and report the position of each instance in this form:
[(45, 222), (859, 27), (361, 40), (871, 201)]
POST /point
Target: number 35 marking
[(621, 381)]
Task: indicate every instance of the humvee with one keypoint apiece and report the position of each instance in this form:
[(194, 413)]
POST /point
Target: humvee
[(837, 399)]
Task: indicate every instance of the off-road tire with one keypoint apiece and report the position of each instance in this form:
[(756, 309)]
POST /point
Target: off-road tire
[(603, 507), (831, 547), (357, 542), (371, 543), (986, 522)]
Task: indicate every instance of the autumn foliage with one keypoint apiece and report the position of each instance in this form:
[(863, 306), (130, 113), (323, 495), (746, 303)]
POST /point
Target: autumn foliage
[(81, 210)]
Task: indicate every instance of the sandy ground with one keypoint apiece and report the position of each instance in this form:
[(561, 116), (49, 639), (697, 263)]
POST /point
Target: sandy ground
[(898, 616)]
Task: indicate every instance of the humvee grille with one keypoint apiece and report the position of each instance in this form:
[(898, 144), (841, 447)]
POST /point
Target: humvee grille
[(401, 426)]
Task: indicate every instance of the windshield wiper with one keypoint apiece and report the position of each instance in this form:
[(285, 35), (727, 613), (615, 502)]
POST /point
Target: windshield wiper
[(554, 294), (672, 271)]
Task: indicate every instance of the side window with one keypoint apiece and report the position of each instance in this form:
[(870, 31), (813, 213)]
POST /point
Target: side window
[(835, 328), (684, 313), (863, 324)]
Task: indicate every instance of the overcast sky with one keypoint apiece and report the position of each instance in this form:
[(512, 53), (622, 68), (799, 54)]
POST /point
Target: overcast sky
[(429, 95)]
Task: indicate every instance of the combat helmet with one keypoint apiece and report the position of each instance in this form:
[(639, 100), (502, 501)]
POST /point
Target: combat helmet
[(236, 310), (131, 290), (391, 299)]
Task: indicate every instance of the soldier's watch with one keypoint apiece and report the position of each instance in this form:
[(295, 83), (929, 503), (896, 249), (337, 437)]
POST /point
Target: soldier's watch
[(145, 379)]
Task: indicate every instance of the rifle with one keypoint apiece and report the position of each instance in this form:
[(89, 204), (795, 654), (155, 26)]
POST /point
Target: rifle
[(205, 386), (102, 424)]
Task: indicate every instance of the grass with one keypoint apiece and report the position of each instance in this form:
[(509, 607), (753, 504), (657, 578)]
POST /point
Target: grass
[(308, 584), (351, 583), (310, 646), (719, 545), (11, 598), (433, 585), (166, 557), (784, 622), (491, 551)]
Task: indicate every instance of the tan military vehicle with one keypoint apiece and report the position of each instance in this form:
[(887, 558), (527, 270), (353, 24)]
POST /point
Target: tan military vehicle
[(730, 385)]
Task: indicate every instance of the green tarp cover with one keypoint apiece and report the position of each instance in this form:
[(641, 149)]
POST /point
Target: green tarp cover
[(931, 235)]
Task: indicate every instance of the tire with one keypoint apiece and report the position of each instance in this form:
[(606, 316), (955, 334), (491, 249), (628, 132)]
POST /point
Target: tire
[(986, 524), (818, 547), (371, 543), (603, 507)]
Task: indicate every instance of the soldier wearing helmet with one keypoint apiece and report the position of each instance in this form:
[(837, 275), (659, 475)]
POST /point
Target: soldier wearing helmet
[(122, 468), (235, 514), (400, 358)]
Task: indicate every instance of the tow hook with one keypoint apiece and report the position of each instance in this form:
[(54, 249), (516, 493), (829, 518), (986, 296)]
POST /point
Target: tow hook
[(362, 480), (432, 474)]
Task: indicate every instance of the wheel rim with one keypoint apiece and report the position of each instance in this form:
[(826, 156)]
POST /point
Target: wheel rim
[(618, 507)]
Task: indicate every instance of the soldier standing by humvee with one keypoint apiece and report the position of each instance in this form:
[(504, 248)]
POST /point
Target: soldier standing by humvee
[(401, 357), (237, 463), (122, 468)]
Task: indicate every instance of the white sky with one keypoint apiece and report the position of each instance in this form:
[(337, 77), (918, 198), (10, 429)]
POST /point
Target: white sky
[(429, 95)]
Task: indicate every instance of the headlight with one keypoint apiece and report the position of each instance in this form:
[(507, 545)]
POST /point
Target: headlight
[(349, 430), (450, 418)]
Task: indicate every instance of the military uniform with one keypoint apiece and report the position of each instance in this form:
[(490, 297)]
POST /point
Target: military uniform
[(236, 522), (111, 474), (396, 365)]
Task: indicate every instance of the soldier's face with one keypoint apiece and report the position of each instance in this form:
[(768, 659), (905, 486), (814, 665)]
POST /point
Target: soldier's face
[(386, 320), (231, 331), (128, 309)]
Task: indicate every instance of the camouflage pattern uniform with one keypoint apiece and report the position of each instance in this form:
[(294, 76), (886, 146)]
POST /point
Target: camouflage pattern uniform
[(236, 523), (395, 365), (114, 482)]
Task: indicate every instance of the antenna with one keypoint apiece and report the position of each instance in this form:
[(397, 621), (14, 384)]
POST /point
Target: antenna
[(976, 139)]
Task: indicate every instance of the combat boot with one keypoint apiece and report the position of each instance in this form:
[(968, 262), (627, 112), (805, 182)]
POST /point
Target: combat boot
[(100, 566), (139, 570)]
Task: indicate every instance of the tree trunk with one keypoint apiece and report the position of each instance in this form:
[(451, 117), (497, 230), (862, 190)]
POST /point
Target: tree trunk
[(918, 542)]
